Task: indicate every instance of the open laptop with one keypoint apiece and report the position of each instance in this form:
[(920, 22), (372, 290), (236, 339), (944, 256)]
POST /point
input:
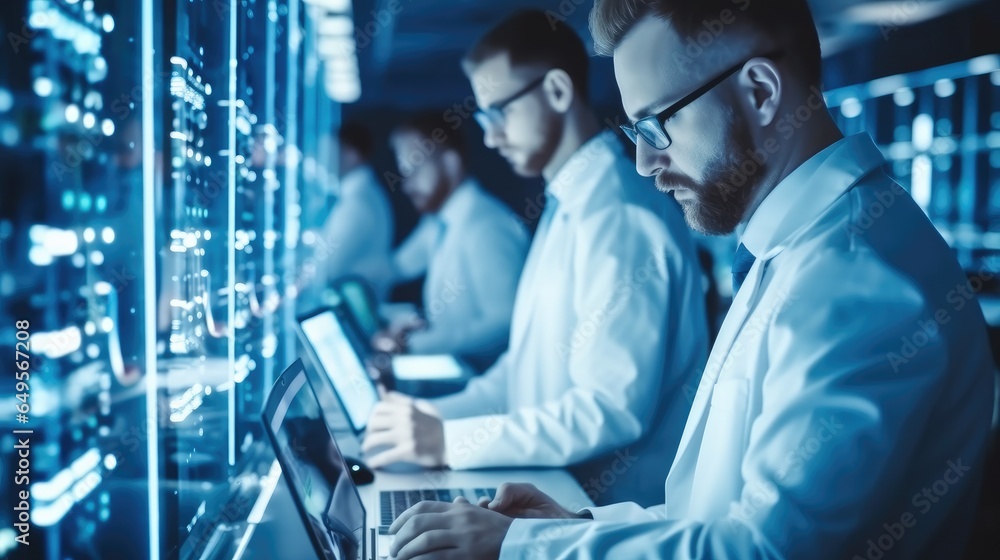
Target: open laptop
[(338, 349), (317, 476), (313, 468)]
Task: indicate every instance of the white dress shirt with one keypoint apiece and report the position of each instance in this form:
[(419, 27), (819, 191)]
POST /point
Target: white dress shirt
[(609, 324), (472, 251), (357, 235), (846, 405)]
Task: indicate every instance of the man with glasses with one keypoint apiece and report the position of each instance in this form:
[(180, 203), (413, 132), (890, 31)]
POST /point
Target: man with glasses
[(846, 405), (609, 321)]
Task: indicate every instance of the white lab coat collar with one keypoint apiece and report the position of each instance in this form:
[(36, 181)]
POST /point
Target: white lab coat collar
[(356, 180), (578, 176), (800, 199), (459, 203)]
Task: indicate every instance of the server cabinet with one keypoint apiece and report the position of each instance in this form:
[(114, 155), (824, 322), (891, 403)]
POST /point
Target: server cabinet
[(152, 161)]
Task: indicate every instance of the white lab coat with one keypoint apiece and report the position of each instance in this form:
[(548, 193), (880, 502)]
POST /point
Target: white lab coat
[(472, 252), (356, 237), (846, 379), (609, 325)]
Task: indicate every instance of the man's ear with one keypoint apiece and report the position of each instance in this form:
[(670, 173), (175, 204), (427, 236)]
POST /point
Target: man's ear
[(761, 88), (558, 90)]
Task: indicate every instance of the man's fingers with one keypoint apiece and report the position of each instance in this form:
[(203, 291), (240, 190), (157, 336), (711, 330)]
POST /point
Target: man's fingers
[(422, 507), (381, 420), (389, 406), (435, 541), (484, 503), (508, 494), (396, 397), (380, 439), (380, 413), (460, 500), (397, 454)]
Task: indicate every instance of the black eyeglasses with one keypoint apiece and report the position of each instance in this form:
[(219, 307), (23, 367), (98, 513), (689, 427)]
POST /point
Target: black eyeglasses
[(652, 128), (493, 115)]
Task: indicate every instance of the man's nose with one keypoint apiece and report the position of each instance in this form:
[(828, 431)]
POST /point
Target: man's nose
[(493, 136), (648, 160)]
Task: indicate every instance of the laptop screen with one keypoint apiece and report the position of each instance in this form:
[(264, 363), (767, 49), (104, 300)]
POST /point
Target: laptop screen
[(338, 358), (315, 471)]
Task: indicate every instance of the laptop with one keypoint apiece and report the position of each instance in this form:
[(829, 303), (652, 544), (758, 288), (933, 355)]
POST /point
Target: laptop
[(317, 477), (315, 472), (340, 352)]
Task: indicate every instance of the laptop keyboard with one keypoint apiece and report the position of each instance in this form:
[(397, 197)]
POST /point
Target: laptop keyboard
[(394, 502)]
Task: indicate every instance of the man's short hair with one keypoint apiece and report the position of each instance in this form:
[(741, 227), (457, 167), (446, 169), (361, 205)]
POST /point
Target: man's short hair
[(432, 125), (357, 136), (532, 38), (787, 24)]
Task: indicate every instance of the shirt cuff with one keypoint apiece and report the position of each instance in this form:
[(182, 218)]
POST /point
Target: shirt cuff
[(451, 407), (618, 512), (531, 539)]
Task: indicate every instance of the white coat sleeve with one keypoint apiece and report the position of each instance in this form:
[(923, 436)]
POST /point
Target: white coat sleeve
[(344, 236), (412, 257), (614, 356), (474, 315), (823, 384), (484, 394)]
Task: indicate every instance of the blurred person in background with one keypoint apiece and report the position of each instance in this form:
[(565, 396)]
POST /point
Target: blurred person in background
[(356, 237), (467, 243)]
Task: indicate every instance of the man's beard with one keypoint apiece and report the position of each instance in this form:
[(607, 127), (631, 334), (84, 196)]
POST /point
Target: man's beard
[(438, 197), (719, 205), (536, 160)]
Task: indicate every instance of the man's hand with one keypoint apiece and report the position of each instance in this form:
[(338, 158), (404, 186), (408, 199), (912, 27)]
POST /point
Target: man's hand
[(448, 532), (411, 429), (389, 342), (525, 501), (394, 339)]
